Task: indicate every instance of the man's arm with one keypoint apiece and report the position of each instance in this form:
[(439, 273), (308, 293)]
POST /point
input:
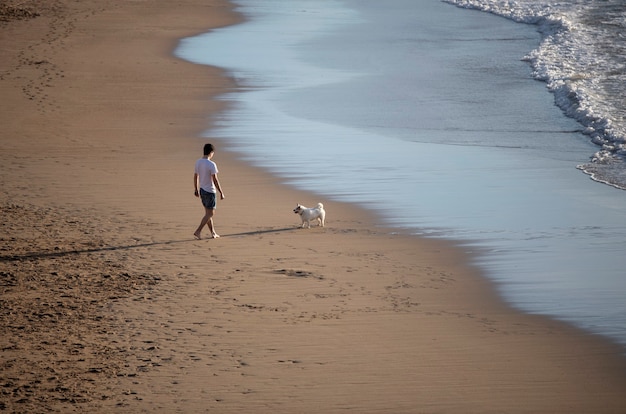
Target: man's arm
[(217, 185), (195, 185)]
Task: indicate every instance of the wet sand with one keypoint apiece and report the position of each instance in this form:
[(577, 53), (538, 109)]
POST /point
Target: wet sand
[(110, 305)]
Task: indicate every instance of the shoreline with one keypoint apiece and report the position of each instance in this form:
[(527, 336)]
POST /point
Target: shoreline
[(348, 316)]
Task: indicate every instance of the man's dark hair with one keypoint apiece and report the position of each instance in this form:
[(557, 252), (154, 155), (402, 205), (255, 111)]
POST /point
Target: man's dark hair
[(208, 148)]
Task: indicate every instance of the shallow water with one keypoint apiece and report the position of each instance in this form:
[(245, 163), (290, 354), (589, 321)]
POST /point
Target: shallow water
[(425, 113)]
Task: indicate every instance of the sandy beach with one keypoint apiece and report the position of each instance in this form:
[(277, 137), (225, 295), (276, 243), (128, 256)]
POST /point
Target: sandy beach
[(109, 304)]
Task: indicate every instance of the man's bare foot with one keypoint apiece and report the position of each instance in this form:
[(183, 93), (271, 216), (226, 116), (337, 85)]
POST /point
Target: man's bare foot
[(215, 235), (197, 236)]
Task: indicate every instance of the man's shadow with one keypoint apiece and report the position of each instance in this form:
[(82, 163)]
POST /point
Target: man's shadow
[(63, 253)]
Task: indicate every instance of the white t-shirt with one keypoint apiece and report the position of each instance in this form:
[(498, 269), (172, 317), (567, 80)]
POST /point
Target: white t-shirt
[(205, 169)]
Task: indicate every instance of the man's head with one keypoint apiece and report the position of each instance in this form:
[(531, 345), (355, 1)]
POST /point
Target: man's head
[(208, 148)]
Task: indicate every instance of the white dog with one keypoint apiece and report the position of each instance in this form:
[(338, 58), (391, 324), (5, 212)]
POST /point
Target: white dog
[(309, 214)]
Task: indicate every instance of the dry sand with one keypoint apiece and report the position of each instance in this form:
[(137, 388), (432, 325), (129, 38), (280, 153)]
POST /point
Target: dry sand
[(108, 304)]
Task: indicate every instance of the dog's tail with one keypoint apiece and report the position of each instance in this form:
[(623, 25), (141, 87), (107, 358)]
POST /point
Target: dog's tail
[(320, 205)]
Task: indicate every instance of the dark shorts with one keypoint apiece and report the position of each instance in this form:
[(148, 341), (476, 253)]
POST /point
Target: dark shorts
[(208, 199)]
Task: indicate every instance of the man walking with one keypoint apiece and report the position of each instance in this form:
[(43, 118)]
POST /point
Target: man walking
[(205, 177)]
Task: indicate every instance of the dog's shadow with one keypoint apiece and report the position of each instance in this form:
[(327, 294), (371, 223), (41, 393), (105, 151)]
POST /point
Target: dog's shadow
[(257, 232)]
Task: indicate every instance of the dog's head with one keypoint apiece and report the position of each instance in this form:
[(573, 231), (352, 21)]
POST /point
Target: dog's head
[(298, 209)]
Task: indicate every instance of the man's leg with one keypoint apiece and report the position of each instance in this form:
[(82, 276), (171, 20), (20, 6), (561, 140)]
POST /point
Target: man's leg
[(209, 213), (208, 221)]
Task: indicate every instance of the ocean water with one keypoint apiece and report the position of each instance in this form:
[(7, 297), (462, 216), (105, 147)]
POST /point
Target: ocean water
[(582, 57), (432, 116)]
